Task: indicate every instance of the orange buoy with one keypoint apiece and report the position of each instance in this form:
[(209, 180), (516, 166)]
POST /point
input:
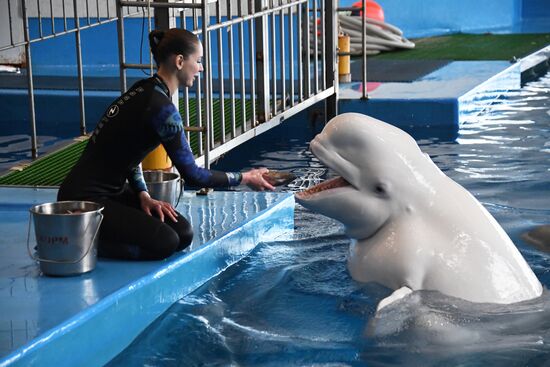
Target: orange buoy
[(374, 10)]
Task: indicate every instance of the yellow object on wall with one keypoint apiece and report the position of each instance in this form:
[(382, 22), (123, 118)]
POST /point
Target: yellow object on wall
[(157, 159), (344, 61)]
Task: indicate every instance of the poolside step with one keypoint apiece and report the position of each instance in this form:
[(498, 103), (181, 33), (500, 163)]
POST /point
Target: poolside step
[(460, 76)]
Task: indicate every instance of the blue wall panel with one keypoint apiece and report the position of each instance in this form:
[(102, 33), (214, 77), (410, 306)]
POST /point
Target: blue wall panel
[(57, 112), (406, 113), (57, 56), (420, 18), (535, 9)]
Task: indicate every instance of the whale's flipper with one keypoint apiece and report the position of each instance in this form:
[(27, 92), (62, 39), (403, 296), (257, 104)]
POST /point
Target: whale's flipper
[(395, 296)]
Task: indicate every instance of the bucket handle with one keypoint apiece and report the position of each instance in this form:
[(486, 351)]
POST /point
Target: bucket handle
[(180, 193), (36, 258)]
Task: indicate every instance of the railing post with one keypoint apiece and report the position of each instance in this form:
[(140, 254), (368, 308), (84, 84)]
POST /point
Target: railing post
[(315, 49), (306, 50), (34, 150), (232, 74), (164, 20), (198, 94), (121, 50), (162, 16), (242, 68), (252, 59), (220, 77), (207, 81), (79, 69), (364, 47), (262, 63), (331, 71)]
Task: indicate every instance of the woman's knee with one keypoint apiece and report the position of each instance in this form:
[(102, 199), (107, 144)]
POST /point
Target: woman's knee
[(172, 239), (184, 230), (166, 243), (185, 237)]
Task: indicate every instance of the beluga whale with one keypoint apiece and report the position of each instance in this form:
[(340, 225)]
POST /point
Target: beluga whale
[(411, 226)]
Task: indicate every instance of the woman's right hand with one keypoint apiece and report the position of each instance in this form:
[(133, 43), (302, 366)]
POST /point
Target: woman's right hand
[(255, 180), (161, 208)]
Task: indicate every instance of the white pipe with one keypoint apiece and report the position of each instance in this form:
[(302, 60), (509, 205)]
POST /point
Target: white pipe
[(380, 36), (371, 46), (357, 20)]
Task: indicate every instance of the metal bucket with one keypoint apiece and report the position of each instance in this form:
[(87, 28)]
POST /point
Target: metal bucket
[(66, 236), (163, 186)]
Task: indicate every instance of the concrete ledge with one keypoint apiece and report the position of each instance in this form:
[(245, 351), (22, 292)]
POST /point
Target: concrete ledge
[(97, 333), (535, 66), (405, 112), (449, 96), (481, 96)]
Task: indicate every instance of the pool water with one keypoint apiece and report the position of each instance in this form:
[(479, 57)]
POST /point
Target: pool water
[(293, 303)]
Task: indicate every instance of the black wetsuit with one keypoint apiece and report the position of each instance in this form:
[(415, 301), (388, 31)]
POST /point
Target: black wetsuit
[(109, 172)]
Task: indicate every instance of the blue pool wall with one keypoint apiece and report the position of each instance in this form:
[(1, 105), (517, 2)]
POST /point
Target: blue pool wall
[(57, 112), (535, 9), (57, 56), (433, 17), (426, 18), (99, 332)]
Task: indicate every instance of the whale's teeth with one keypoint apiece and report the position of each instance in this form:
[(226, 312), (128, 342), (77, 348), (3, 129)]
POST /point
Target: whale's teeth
[(323, 186)]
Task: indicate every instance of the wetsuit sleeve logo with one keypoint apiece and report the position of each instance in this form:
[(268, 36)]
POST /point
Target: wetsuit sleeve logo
[(167, 122), (113, 111)]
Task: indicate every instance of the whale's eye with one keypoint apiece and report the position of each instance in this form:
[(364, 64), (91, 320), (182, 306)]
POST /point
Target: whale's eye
[(381, 189)]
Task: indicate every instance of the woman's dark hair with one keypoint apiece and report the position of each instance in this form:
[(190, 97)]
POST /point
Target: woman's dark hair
[(173, 41)]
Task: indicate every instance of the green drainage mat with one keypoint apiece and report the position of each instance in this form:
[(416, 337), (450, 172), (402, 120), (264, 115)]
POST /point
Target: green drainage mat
[(193, 121), (51, 169), (463, 47)]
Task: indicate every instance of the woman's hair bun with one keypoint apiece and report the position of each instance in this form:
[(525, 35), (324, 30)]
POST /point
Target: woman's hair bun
[(154, 39), (173, 41)]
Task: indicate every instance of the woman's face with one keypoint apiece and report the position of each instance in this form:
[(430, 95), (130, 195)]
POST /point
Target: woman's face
[(190, 67)]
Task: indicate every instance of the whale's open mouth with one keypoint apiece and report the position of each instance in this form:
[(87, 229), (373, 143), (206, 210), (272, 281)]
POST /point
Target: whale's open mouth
[(331, 184)]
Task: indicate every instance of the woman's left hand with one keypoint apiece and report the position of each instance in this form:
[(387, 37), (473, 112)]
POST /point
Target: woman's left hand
[(161, 208), (255, 179)]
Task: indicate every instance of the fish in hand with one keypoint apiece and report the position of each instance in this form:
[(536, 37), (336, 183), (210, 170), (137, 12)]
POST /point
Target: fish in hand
[(278, 178)]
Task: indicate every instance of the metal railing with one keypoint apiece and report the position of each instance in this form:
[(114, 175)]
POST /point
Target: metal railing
[(257, 57), (363, 10), (55, 18), (264, 48)]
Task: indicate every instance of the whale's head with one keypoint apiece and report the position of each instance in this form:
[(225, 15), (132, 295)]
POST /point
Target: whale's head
[(381, 174)]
